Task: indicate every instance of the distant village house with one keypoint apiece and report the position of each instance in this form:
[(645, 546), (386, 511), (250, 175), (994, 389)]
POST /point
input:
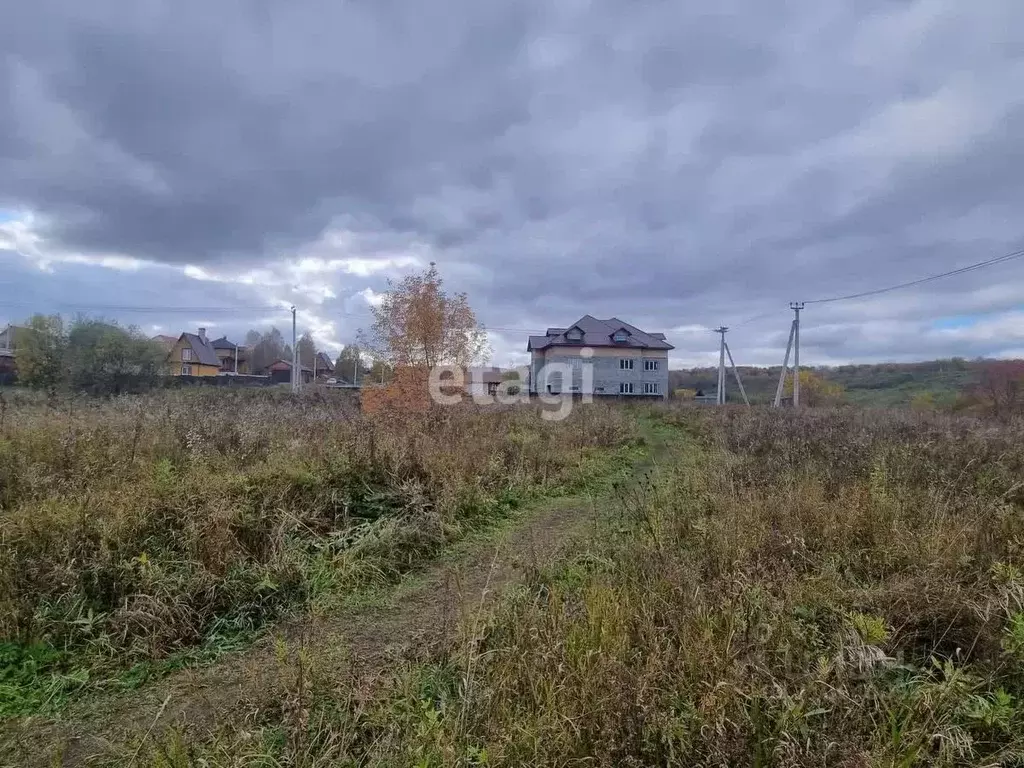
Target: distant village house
[(280, 372), (193, 355)]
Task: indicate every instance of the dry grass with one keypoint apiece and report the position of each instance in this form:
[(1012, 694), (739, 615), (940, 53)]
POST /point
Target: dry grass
[(825, 588), (143, 528)]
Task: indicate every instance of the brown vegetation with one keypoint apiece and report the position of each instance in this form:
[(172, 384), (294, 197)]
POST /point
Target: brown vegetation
[(143, 527), (809, 588)]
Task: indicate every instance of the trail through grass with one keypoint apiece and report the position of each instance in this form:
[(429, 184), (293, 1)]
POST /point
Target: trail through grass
[(792, 589), (143, 535)]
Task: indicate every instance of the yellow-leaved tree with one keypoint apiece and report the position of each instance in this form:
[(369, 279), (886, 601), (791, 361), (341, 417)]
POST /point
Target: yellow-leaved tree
[(417, 326), (816, 391)]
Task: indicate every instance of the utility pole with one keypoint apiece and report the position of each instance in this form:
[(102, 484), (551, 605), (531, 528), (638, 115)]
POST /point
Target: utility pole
[(236, 359), (785, 367), (792, 346), (295, 356), (736, 373), (796, 306), (721, 365), (724, 351)]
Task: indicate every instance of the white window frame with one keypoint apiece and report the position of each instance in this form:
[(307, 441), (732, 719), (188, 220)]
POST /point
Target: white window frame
[(186, 354), (625, 387), (186, 369), (651, 365), (652, 388), (625, 363)]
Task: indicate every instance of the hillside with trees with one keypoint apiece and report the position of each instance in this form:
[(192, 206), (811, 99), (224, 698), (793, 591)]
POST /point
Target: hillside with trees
[(873, 384)]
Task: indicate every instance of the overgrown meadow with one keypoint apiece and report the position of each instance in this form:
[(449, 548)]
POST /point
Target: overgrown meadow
[(141, 533), (840, 588)]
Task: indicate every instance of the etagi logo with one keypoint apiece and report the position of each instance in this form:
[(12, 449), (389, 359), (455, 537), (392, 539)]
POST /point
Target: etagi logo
[(559, 384)]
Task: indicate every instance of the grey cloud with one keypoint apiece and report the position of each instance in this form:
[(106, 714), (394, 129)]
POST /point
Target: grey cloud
[(671, 163)]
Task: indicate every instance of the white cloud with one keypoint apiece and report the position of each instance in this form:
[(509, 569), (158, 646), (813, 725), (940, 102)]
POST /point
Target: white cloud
[(21, 236)]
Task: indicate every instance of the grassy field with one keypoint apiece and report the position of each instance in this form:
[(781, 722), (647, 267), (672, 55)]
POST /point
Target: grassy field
[(146, 533), (820, 588), (830, 587)]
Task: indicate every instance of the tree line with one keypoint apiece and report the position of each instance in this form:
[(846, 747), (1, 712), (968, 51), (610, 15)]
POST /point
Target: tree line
[(88, 355), (102, 357)]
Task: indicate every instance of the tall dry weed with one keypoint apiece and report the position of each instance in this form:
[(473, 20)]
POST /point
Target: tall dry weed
[(136, 527)]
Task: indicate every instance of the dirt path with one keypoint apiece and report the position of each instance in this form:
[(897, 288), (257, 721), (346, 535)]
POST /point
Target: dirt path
[(424, 612)]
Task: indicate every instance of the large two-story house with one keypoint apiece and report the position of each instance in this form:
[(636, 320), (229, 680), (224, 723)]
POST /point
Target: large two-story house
[(626, 361)]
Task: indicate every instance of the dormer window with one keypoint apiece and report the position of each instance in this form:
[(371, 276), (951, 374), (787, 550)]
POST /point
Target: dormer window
[(574, 334), (620, 337)]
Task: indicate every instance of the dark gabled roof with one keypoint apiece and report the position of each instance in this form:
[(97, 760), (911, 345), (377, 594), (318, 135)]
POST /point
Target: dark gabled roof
[(223, 343), (288, 364), (204, 350), (598, 333), (324, 362)]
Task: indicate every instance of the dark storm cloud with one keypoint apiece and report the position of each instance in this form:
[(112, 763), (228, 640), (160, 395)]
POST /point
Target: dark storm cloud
[(193, 134), (677, 164)]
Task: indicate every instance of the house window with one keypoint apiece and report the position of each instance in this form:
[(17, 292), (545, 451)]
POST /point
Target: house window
[(574, 335), (626, 364), (650, 365), (186, 354), (186, 370), (625, 387), (620, 336), (651, 388)]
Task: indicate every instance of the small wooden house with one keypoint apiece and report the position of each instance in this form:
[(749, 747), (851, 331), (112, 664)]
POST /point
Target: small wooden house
[(193, 355)]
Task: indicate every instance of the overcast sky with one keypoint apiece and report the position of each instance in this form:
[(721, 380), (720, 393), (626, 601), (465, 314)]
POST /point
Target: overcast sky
[(679, 165)]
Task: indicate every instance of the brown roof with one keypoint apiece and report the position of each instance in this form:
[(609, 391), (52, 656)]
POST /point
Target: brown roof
[(286, 365), (599, 333)]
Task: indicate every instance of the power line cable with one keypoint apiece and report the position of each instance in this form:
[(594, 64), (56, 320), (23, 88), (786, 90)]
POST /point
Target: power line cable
[(969, 268), (178, 309), (877, 291), (755, 318)]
